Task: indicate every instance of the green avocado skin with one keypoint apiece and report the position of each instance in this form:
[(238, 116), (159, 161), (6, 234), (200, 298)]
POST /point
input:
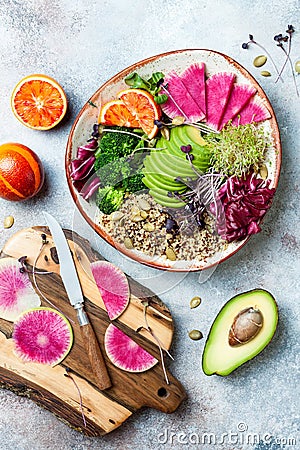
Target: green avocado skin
[(214, 351)]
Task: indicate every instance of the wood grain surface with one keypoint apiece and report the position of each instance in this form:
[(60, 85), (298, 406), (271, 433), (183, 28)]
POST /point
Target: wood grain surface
[(50, 387)]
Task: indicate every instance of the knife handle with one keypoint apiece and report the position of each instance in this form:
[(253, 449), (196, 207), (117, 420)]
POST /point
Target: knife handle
[(95, 356)]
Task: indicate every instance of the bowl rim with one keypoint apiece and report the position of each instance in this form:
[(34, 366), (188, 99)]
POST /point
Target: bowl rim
[(68, 156)]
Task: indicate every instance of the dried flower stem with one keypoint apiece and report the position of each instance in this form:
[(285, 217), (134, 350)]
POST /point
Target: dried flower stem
[(292, 69), (34, 273), (252, 41), (286, 59), (67, 374), (146, 304)]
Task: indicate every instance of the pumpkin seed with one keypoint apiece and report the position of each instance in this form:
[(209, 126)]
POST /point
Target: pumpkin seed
[(263, 171), (136, 218), (144, 214), (116, 216), (297, 66), (260, 60), (265, 73), (143, 204), (246, 325), (165, 132), (171, 255), (196, 335), (195, 302), (128, 243), (148, 226), (178, 120), (135, 210), (8, 222)]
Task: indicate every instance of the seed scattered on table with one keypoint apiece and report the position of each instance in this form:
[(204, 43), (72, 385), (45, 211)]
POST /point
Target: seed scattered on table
[(196, 335), (195, 302), (8, 222)]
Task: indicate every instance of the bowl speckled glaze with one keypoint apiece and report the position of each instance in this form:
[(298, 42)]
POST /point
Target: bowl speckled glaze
[(178, 61)]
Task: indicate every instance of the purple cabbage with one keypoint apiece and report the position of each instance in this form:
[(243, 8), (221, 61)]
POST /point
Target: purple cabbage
[(239, 206), (90, 188), (82, 167)]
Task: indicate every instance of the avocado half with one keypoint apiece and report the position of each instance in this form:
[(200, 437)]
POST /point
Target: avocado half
[(219, 357)]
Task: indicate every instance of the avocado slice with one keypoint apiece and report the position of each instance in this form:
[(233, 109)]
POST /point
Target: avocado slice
[(161, 197), (221, 358), (162, 182)]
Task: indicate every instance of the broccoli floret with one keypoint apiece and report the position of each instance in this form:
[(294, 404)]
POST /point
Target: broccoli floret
[(116, 145), (134, 183), (114, 172), (111, 162), (109, 199)]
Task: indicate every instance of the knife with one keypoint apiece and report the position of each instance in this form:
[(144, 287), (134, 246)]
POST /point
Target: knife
[(71, 282)]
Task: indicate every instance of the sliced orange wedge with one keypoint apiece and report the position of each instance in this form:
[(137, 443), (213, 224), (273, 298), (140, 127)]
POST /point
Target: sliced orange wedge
[(39, 102), (116, 113), (141, 104)]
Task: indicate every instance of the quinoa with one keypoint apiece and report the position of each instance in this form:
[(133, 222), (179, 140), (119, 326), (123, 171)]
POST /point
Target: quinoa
[(130, 227)]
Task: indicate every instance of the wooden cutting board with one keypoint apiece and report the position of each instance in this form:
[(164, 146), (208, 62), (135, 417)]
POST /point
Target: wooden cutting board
[(106, 410)]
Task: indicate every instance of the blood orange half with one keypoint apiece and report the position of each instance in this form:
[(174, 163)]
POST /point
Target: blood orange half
[(39, 102), (141, 104), (116, 113)]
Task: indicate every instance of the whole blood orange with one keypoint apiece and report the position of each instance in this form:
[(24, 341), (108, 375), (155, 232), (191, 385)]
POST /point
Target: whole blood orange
[(21, 172)]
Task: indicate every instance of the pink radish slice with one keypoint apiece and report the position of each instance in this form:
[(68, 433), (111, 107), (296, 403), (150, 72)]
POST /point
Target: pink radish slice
[(194, 80), (240, 96), (113, 286), (42, 335), (16, 292), (180, 101), (218, 90), (126, 354), (254, 111)]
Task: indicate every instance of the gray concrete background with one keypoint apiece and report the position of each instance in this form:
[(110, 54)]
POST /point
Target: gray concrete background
[(82, 44)]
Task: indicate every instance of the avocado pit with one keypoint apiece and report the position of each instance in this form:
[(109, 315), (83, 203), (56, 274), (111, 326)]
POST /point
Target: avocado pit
[(246, 325)]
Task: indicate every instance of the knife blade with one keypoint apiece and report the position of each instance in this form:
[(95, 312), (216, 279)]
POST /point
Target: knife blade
[(72, 285)]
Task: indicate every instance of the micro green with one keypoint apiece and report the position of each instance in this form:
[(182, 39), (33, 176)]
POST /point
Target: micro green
[(236, 150)]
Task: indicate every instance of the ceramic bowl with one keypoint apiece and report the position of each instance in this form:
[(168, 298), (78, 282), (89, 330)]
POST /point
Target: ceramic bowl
[(178, 61)]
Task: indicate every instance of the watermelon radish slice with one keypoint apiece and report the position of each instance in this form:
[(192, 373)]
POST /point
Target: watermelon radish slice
[(16, 292), (180, 101), (240, 96), (42, 335), (194, 80), (218, 90), (126, 354), (254, 111), (113, 286)]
